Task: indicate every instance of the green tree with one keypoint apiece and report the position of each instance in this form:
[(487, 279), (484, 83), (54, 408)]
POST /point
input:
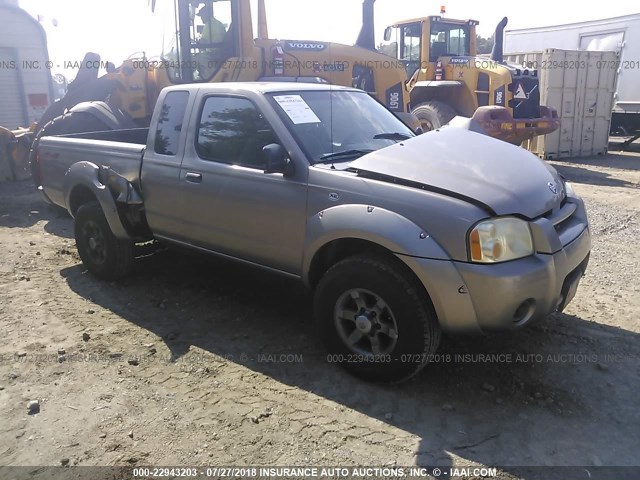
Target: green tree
[(390, 49), (484, 44)]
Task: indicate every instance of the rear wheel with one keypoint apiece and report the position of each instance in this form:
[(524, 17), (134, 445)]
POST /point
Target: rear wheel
[(433, 114), (104, 255), (375, 320)]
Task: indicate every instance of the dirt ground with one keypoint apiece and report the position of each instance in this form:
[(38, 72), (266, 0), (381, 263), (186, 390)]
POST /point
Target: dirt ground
[(194, 361)]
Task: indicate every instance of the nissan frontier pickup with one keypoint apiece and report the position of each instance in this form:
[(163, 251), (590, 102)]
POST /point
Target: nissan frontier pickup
[(399, 237)]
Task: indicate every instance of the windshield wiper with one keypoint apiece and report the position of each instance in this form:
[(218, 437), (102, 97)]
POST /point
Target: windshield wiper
[(392, 136), (344, 153)]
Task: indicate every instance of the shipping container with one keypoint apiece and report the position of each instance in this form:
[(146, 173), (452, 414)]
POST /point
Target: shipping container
[(583, 93), (619, 34), (25, 75)]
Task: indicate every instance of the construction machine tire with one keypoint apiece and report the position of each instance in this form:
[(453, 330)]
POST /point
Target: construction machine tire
[(433, 114), (76, 122), (87, 90)]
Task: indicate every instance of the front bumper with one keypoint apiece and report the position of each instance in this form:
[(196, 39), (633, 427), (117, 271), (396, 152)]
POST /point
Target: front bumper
[(477, 298)]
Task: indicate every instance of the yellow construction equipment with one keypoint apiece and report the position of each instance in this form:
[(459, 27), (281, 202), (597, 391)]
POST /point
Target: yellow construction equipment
[(214, 41), (436, 72), (446, 77)]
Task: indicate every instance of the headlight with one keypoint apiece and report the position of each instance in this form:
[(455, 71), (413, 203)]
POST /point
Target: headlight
[(500, 240)]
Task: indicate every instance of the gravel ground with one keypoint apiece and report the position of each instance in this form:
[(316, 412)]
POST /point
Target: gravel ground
[(192, 361)]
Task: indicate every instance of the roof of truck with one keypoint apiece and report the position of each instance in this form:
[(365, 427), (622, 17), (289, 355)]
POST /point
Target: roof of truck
[(261, 87)]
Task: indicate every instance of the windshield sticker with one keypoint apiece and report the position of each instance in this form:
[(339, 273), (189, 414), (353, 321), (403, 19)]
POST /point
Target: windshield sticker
[(298, 110)]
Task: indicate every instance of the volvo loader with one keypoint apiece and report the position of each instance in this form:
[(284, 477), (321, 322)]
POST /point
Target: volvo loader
[(446, 77), (215, 41)]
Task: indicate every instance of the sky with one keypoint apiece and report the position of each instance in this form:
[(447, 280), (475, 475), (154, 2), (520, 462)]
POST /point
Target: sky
[(116, 29)]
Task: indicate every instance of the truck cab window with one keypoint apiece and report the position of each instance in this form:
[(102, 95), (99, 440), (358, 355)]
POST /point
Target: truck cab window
[(170, 123), (232, 130)]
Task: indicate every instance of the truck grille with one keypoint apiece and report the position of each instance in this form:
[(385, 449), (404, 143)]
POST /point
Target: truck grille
[(564, 221)]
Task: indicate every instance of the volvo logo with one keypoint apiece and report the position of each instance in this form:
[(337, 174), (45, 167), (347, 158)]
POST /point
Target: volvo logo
[(295, 45), (553, 187)]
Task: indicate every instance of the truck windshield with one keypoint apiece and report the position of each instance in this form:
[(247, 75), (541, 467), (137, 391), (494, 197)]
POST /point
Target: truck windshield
[(335, 122)]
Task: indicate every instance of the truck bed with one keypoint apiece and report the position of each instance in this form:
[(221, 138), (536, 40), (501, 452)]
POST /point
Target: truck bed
[(122, 150)]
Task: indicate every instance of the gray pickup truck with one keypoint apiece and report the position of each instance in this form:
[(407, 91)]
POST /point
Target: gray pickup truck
[(399, 236)]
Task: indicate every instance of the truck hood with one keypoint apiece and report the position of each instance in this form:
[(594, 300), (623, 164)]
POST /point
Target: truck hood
[(497, 176)]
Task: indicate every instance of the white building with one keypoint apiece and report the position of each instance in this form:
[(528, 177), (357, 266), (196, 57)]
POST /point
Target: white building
[(619, 34), (26, 87)]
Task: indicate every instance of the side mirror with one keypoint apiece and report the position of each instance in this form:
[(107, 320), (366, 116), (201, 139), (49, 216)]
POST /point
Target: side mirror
[(277, 159), (387, 34)]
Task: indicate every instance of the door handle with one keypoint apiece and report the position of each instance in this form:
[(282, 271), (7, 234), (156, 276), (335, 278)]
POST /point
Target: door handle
[(193, 177)]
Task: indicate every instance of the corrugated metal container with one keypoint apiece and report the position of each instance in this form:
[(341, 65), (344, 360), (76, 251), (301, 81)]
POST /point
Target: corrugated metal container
[(618, 34), (581, 86), (25, 75)]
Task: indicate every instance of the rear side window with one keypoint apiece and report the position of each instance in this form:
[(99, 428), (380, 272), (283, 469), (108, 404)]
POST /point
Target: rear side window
[(170, 123), (232, 130)]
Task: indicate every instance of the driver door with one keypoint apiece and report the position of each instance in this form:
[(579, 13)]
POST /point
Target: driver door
[(228, 204)]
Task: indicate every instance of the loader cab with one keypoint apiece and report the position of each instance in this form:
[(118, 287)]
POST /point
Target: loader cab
[(200, 38), (406, 45), (419, 43)]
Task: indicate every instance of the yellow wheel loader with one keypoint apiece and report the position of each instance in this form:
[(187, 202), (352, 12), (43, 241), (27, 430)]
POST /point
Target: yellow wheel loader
[(214, 41), (446, 77)]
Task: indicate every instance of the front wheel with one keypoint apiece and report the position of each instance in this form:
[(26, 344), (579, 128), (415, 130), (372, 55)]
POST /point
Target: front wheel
[(104, 255), (375, 319), (433, 114)]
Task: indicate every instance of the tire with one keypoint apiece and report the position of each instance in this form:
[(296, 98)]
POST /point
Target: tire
[(78, 91), (433, 115), (104, 255), (67, 123), (380, 288)]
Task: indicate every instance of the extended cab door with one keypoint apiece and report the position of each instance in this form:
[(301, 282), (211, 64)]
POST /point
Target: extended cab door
[(160, 175), (228, 204)]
